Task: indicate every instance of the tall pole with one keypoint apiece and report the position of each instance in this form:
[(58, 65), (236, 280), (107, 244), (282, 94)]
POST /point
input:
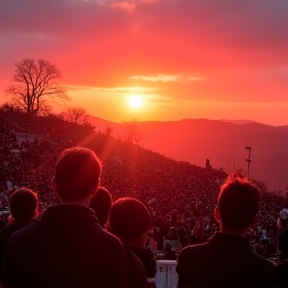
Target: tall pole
[(248, 160)]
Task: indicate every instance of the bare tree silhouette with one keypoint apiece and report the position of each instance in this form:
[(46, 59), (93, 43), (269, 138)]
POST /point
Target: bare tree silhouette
[(35, 83)]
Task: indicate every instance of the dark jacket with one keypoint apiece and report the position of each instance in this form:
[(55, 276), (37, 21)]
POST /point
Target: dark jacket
[(65, 248), (224, 261), (282, 274), (137, 276), (146, 256), (5, 235), (283, 243)]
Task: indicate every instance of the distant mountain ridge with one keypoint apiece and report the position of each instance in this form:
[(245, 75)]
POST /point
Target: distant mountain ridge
[(222, 141), (240, 121)]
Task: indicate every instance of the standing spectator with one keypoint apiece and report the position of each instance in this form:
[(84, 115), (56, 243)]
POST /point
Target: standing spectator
[(174, 238), (198, 232), (226, 260), (130, 220), (282, 272), (282, 267), (283, 236), (23, 205), (207, 164), (67, 247), (151, 243), (101, 203)]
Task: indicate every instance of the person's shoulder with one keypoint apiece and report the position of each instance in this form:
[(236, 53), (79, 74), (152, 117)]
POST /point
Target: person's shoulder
[(137, 274), (8, 230), (132, 257), (109, 238), (5, 230), (192, 249), (283, 265), (262, 263), (24, 232), (194, 252), (284, 233), (143, 252), (190, 257)]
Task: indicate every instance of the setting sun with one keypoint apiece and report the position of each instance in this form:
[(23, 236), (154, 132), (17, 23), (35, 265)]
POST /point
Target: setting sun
[(135, 101)]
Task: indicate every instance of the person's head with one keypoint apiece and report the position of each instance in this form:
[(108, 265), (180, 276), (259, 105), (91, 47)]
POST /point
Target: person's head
[(130, 220), (77, 174), (101, 203), (23, 204), (238, 204)]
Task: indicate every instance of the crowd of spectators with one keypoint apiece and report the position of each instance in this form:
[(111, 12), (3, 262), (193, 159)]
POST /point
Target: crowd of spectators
[(180, 196)]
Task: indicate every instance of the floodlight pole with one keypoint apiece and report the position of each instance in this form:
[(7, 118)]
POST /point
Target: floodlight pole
[(248, 160)]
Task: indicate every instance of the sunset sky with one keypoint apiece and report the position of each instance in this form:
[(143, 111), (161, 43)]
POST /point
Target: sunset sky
[(216, 59)]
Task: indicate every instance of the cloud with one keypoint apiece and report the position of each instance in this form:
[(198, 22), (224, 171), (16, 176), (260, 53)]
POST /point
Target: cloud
[(166, 78), (132, 89), (162, 78)]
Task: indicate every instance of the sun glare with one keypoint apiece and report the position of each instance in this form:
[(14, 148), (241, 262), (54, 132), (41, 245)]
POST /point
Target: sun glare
[(135, 101)]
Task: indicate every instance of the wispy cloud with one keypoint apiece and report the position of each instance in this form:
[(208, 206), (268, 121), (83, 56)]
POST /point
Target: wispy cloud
[(131, 89), (166, 78), (159, 77)]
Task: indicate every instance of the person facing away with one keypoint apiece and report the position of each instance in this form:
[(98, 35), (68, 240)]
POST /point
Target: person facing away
[(67, 247), (282, 267), (283, 235), (23, 205), (226, 260), (130, 221), (207, 164), (101, 203)]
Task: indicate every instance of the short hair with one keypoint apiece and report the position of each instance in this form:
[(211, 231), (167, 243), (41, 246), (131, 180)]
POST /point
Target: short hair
[(238, 203), (101, 203), (23, 203), (129, 218), (77, 173)]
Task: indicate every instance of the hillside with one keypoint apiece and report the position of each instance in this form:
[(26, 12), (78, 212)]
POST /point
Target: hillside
[(223, 142)]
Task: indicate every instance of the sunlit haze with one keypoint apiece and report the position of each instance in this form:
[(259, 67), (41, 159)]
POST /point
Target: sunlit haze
[(210, 59)]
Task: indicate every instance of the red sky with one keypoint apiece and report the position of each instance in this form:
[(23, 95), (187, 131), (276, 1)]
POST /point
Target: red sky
[(188, 58)]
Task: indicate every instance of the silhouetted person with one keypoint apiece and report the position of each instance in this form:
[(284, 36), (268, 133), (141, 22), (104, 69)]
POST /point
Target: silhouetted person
[(2, 224), (282, 267), (226, 260), (169, 253), (101, 203), (282, 274), (283, 236), (130, 220), (67, 247), (208, 165), (23, 204)]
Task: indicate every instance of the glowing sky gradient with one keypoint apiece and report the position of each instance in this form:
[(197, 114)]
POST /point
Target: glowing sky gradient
[(213, 59)]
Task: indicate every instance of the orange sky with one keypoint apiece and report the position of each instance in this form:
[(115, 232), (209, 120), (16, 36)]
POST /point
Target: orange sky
[(216, 59)]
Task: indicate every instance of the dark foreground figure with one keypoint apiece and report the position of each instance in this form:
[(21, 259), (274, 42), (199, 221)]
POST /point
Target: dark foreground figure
[(101, 203), (67, 247), (130, 220), (282, 267), (226, 259), (23, 204)]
